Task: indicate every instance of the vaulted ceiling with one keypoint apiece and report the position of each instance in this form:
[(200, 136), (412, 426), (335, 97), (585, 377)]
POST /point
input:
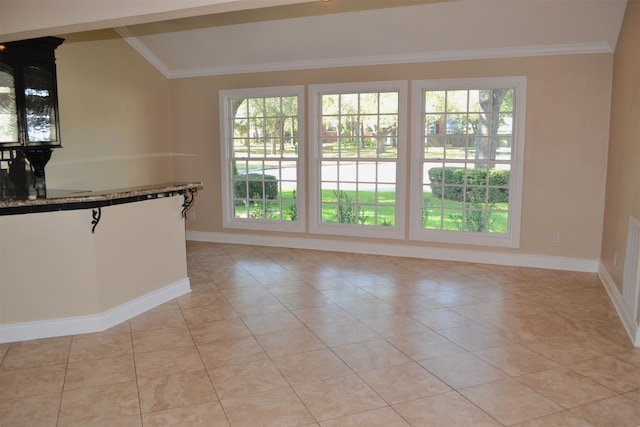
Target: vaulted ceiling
[(363, 32), (184, 38)]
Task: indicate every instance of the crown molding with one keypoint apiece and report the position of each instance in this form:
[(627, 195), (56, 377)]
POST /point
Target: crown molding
[(135, 43), (357, 61)]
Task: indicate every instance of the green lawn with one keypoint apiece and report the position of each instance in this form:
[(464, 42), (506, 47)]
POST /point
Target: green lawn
[(450, 217)]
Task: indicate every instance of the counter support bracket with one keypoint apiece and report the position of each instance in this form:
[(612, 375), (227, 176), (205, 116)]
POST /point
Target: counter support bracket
[(189, 195), (96, 214)]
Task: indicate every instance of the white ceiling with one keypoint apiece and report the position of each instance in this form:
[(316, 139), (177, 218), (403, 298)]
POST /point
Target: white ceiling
[(431, 31)]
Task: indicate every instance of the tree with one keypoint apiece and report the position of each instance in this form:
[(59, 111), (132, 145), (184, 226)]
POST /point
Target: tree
[(478, 112), (490, 101), (381, 135), (272, 119), (362, 119)]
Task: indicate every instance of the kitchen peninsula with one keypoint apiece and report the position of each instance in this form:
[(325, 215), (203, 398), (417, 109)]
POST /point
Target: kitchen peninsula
[(78, 262)]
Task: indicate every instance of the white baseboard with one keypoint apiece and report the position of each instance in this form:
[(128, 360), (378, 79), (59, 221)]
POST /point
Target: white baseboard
[(499, 258), (94, 322), (632, 328)]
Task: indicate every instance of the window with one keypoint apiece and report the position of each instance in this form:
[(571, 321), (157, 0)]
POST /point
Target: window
[(468, 143), (357, 182), (466, 160), (262, 154)]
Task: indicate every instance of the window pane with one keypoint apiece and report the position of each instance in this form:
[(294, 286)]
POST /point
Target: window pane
[(432, 123), (369, 103), (331, 104), (505, 124), (432, 218), (434, 101), (452, 219), (456, 124), (456, 100), (507, 103), (503, 151), (474, 101), (349, 103), (455, 148), (256, 107), (471, 127), (389, 103), (386, 195), (435, 146)]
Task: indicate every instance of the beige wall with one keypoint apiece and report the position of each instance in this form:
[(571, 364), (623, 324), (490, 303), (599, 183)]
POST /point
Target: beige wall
[(623, 172), (114, 116), (124, 124), (139, 248), (568, 102), (32, 251)]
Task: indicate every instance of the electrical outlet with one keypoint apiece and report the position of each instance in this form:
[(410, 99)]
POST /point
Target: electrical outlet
[(192, 215), (556, 237)]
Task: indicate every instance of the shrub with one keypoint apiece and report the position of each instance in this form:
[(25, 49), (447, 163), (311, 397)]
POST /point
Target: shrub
[(261, 186), (472, 220), (292, 209), (347, 213), (454, 184)]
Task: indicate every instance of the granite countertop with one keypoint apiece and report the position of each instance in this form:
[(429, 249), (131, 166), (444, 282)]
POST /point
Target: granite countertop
[(71, 199)]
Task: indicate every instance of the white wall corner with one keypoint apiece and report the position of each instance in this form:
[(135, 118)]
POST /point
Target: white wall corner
[(629, 323)]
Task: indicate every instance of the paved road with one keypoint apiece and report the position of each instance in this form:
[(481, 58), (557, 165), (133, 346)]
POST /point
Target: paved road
[(348, 174)]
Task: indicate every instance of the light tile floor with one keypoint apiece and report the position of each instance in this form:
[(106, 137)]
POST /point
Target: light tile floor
[(282, 337)]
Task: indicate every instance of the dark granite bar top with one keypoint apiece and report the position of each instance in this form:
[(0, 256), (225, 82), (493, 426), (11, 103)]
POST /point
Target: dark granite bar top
[(59, 200)]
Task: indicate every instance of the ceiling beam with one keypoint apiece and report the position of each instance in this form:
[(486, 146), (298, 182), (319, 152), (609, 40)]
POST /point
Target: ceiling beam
[(23, 19)]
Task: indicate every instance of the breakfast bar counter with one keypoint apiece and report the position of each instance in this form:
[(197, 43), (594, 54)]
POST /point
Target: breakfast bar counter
[(77, 262), (55, 200)]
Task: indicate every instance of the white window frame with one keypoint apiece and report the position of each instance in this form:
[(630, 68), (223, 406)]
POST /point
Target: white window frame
[(316, 226), (510, 239), (226, 131)]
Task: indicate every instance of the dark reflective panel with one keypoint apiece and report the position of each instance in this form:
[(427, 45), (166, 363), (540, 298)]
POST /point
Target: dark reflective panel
[(40, 104), (8, 110)]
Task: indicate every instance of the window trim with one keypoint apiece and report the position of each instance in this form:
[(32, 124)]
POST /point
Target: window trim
[(511, 239), (316, 226), (226, 129)]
